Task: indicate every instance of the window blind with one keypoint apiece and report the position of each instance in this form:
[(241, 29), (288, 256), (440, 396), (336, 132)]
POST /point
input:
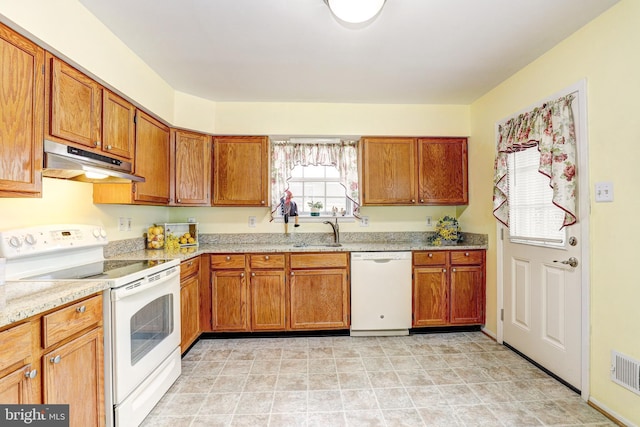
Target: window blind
[(533, 218)]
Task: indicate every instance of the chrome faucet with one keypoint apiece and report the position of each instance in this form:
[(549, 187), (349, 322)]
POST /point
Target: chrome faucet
[(336, 231)]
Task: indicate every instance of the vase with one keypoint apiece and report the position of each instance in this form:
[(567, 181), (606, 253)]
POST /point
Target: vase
[(315, 211)]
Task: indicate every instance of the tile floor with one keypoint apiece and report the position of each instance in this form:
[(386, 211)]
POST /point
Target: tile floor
[(455, 379)]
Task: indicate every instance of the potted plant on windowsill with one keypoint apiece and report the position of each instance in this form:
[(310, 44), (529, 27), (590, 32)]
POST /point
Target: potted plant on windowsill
[(315, 208)]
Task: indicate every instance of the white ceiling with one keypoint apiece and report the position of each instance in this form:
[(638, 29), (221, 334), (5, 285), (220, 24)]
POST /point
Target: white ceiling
[(416, 51)]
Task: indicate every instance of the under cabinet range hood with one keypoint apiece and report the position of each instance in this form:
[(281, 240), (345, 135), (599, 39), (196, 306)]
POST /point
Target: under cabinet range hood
[(66, 162)]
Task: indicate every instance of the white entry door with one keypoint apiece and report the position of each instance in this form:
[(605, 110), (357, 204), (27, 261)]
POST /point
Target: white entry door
[(542, 304)]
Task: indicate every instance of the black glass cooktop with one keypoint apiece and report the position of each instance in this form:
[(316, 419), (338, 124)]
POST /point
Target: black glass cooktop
[(106, 270)]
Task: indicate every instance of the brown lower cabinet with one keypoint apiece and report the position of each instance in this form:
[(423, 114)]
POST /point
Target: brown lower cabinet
[(252, 293), (448, 288), (189, 302), (57, 358), (319, 291)]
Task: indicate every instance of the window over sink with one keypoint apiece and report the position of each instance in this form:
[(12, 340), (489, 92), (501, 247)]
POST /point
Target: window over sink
[(319, 174)]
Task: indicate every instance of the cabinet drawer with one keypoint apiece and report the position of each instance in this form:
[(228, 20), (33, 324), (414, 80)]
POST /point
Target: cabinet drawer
[(189, 268), (430, 258), (266, 261), (227, 261), (466, 257), (67, 321), (16, 345), (324, 260)]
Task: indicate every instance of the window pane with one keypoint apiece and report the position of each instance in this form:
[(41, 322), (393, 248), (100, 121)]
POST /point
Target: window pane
[(532, 214), (335, 189), (297, 172), (332, 172)]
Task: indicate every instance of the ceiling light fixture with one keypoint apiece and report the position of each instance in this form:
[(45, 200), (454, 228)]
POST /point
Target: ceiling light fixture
[(355, 11)]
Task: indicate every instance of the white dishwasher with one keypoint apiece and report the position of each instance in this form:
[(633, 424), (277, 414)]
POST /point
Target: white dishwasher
[(380, 293)]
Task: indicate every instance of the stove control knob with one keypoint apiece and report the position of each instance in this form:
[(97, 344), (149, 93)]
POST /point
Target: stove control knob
[(30, 239), (96, 232), (103, 233), (15, 242)]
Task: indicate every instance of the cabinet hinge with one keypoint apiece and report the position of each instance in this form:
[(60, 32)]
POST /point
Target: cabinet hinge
[(502, 314), (502, 234), (43, 69)]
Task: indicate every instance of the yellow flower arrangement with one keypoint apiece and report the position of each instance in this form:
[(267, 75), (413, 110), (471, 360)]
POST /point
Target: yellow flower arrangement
[(447, 232)]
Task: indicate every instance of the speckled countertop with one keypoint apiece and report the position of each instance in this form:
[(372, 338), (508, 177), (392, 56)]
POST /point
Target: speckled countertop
[(20, 300)]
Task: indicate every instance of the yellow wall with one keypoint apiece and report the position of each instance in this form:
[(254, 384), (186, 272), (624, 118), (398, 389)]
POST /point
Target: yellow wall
[(605, 52)]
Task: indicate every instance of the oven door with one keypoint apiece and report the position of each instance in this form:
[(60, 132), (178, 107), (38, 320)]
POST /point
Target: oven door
[(145, 328)]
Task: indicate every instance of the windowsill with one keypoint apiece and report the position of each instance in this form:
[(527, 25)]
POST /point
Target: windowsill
[(321, 218)]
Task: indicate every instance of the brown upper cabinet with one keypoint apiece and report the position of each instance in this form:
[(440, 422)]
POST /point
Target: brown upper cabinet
[(118, 125), (152, 162), (240, 171), (80, 112), (21, 115), (191, 168), (413, 171)]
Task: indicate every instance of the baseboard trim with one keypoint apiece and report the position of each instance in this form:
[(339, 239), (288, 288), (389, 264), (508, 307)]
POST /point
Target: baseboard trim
[(612, 415)]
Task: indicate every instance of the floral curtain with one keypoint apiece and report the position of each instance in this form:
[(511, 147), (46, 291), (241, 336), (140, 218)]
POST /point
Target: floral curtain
[(551, 129), (285, 155)]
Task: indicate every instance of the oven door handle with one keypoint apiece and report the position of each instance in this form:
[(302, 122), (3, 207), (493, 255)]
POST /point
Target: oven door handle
[(144, 284)]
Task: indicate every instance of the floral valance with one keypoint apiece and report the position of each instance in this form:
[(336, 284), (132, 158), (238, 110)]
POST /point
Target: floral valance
[(551, 129), (287, 154)]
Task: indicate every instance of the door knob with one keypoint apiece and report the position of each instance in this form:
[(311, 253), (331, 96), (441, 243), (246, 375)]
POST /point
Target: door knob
[(572, 262)]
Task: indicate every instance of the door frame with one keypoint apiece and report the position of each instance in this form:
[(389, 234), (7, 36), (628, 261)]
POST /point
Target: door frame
[(584, 216)]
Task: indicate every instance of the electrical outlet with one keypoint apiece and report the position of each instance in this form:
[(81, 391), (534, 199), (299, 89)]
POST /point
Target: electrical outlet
[(364, 221), (122, 224), (191, 219), (429, 222), (252, 222)]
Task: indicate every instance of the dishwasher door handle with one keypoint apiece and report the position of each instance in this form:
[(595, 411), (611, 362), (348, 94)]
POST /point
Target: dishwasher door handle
[(381, 261)]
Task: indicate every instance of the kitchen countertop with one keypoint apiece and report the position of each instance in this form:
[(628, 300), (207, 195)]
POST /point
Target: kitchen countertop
[(20, 300)]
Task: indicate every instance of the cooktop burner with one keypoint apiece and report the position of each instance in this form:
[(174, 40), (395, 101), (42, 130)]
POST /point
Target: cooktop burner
[(108, 270)]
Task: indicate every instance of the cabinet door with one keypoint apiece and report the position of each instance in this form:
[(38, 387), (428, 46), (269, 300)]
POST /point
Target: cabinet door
[(388, 171), (73, 374), (16, 387), (21, 115), (430, 299), (229, 300), (192, 157), (240, 171), (319, 299), (152, 160), (189, 311), (267, 300), (75, 105), (442, 176), (467, 295), (118, 125)]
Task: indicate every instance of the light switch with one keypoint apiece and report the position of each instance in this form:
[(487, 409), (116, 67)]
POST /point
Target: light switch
[(604, 191)]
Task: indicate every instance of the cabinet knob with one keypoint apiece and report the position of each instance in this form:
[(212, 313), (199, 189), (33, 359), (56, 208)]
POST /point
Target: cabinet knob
[(81, 309), (292, 273), (31, 374), (241, 274), (413, 200), (444, 270), (430, 255), (97, 143), (190, 263), (421, 200), (228, 258), (179, 200), (253, 274), (56, 359), (262, 202), (108, 147), (466, 254), (453, 269), (266, 257)]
